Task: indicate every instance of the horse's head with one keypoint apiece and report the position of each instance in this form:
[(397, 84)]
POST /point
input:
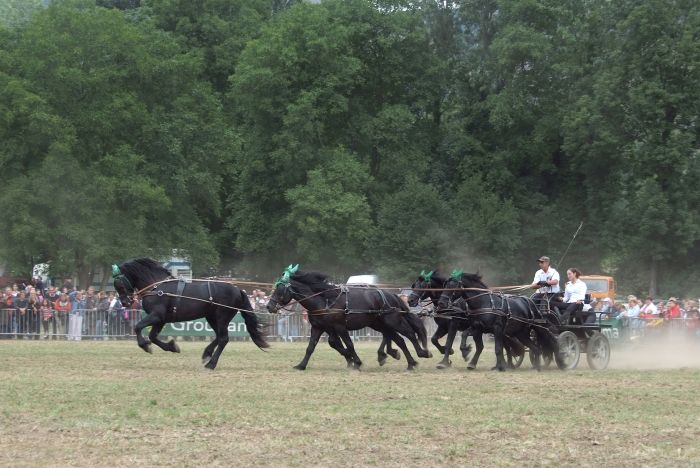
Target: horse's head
[(123, 285), (459, 287), (450, 289), (419, 287), (133, 275), (282, 290)]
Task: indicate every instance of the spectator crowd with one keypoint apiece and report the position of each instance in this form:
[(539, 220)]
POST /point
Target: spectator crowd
[(32, 311)]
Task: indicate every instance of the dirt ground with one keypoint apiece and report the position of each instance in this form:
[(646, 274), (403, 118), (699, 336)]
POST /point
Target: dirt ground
[(111, 404)]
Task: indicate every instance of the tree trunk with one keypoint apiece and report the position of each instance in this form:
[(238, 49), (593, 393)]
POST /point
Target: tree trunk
[(105, 277), (84, 277), (653, 278)]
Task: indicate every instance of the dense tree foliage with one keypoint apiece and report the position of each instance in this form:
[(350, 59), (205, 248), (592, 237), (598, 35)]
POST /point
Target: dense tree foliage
[(354, 135)]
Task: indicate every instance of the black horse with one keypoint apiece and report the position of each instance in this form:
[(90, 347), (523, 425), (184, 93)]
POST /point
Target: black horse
[(469, 299), (337, 309), (429, 286), (166, 300)]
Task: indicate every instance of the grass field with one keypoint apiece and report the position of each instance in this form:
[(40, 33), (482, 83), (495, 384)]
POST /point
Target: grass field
[(111, 404)]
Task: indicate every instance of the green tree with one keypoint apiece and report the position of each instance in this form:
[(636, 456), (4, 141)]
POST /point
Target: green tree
[(134, 166), (330, 217)]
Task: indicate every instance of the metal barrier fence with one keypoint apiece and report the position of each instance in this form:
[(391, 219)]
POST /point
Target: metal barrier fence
[(96, 324), (75, 325), (99, 324)]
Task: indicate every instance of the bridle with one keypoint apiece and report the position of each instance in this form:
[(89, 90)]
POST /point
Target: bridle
[(424, 287), (277, 304)]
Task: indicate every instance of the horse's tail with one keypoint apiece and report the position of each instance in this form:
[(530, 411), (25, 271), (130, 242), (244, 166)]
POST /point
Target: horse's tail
[(547, 340), (416, 324), (252, 323)]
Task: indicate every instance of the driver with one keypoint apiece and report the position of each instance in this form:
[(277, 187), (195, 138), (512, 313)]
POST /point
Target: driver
[(546, 281)]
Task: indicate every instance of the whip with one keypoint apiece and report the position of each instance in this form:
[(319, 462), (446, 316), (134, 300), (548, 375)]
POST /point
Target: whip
[(569, 246)]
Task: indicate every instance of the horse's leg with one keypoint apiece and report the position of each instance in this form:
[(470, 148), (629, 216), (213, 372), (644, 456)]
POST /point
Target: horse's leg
[(451, 333), (149, 320), (463, 346), (345, 336), (412, 363), (399, 325), (479, 342), (439, 333), (394, 353), (221, 331), (389, 351), (209, 350), (381, 355), (313, 340), (498, 337), (153, 336), (335, 343)]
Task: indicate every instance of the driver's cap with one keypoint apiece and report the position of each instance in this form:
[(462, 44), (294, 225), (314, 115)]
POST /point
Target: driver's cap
[(543, 258)]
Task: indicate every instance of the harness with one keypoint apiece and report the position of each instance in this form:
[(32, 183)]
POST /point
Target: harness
[(504, 310)]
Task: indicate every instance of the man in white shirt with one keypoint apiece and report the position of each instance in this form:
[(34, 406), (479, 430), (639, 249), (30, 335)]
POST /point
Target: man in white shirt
[(546, 281), (649, 308)]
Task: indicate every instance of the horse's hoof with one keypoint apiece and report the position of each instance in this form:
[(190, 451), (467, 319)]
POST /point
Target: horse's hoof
[(206, 359), (148, 349), (382, 361), (411, 368), (499, 368), (444, 365), (452, 351), (395, 354), (209, 365), (300, 367), (175, 347), (471, 367), (429, 355)]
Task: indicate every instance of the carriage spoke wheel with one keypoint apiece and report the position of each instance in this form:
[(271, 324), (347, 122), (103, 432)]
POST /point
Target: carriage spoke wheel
[(569, 351), (518, 359), (598, 351)]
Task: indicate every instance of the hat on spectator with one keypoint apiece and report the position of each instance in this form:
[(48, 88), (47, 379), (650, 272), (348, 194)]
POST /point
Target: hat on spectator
[(543, 258), (672, 299)]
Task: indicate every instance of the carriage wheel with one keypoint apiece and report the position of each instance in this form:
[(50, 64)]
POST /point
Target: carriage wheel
[(598, 351), (569, 351), (518, 360)]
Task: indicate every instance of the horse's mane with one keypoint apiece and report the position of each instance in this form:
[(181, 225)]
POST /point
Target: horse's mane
[(437, 276), (313, 279), (144, 269), (473, 280)]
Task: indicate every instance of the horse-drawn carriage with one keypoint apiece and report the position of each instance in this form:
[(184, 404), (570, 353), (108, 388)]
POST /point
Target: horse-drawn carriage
[(573, 339), (519, 324)]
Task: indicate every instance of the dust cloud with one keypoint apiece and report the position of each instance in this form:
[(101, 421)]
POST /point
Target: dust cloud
[(666, 352)]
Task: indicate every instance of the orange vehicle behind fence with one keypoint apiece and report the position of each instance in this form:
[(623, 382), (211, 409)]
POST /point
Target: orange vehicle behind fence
[(600, 287)]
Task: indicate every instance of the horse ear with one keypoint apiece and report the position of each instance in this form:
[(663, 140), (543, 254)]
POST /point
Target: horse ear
[(115, 271)]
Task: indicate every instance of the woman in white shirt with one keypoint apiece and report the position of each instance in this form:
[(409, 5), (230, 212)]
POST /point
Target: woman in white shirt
[(574, 295)]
